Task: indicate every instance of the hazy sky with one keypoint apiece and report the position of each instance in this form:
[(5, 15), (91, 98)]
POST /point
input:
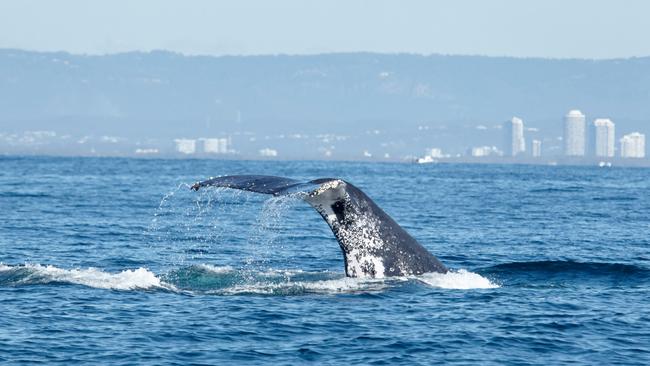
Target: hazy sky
[(546, 28)]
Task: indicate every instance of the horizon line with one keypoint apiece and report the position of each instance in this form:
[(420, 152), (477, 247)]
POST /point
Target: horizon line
[(313, 54)]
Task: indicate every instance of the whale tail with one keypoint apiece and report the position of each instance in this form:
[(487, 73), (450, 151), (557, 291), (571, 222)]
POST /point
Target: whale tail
[(373, 244)]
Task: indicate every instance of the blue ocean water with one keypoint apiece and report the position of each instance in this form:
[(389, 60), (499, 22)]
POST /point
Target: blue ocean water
[(116, 261)]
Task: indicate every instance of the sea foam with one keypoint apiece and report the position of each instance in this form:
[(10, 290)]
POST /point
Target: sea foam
[(140, 278), (459, 280)]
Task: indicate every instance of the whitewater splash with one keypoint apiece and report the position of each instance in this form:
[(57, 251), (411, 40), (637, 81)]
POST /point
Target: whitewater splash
[(458, 280), (34, 274), (214, 280), (195, 224)]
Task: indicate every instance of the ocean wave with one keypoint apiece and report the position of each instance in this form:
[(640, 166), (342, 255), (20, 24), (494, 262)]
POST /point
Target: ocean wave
[(616, 198), (568, 189), (554, 273), (596, 268), (225, 280), (36, 274), (23, 195)]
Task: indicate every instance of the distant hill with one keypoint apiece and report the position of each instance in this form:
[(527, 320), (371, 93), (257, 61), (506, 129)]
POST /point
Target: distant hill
[(163, 94)]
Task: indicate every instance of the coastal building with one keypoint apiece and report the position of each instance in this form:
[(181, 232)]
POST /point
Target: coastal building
[(434, 152), (483, 151), (185, 146), (268, 153), (146, 151), (514, 143), (536, 147), (604, 138), (431, 156), (215, 145), (574, 133), (633, 145)]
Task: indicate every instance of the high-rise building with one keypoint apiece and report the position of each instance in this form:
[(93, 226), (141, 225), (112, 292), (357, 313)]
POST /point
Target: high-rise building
[(574, 133), (633, 145), (185, 146), (514, 143), (536, 147), (604, 138)]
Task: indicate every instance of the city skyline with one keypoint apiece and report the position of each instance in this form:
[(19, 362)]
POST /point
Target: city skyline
[(602, 140), (601, 137)]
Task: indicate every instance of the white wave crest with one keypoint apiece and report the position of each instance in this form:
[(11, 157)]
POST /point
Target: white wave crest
[(140, 278), (216, 269), (459, 280)]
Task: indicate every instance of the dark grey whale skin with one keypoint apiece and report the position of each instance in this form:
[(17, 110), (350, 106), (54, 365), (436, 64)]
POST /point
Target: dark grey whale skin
[(341, 204)]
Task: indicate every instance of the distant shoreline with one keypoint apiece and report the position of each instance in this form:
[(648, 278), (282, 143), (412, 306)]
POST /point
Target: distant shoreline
[(560, 162)]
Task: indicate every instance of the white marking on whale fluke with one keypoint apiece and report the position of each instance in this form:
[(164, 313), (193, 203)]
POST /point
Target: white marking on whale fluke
[(362, 240), (362, 264), (323, 196), (333, 184), (358, 233)]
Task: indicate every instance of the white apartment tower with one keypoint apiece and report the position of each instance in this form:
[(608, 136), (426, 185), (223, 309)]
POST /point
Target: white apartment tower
[(514, 143), (633, 145), (604, 138), (574, 133), (536, 148)]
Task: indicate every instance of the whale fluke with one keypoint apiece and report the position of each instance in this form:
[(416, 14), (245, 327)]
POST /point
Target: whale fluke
[(373, 244), (254, 183)]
